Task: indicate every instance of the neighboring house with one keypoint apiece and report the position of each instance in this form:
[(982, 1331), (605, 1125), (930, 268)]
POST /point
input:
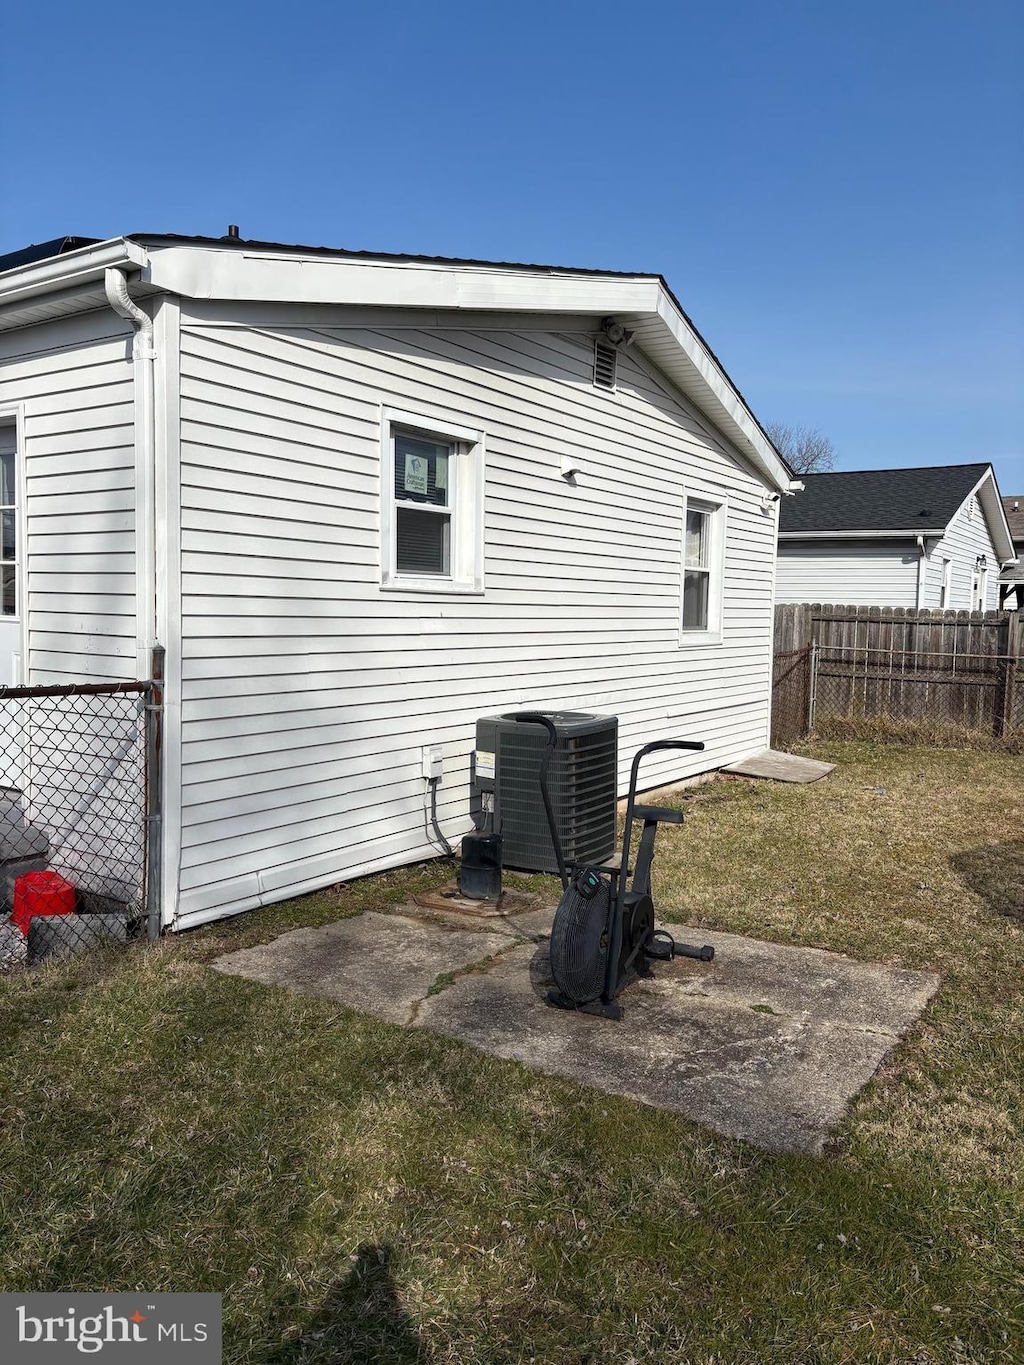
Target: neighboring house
[(934, 537), (1011, 580), (363, 500)]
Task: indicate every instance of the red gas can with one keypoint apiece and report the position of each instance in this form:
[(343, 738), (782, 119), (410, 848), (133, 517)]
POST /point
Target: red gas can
[(41, 893)]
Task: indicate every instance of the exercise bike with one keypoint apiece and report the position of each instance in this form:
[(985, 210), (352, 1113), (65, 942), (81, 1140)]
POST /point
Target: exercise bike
[(603, 937)]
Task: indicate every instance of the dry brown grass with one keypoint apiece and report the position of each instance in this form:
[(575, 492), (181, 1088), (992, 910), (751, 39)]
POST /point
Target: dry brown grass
[(365, 1193)]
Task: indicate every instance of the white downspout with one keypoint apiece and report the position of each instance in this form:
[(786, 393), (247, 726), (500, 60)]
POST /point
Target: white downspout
[(143, 357)]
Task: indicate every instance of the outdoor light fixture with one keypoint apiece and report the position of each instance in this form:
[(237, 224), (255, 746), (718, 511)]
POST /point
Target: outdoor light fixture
[(615, 333)]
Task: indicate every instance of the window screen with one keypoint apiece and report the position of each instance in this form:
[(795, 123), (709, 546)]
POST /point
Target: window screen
[(696, 570)]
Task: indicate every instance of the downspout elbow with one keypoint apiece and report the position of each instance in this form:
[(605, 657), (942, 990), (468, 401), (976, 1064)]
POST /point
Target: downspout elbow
[(116, 287)]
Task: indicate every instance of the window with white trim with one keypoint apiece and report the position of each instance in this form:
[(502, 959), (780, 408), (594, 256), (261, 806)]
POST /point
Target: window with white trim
[(703, 543), (946, 584), (432, 505), (8, 523)]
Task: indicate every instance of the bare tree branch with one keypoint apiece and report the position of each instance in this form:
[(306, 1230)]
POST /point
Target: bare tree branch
[(805, 450)]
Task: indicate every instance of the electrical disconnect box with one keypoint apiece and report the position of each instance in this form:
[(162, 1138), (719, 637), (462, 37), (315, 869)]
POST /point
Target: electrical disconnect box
[(433, 763)]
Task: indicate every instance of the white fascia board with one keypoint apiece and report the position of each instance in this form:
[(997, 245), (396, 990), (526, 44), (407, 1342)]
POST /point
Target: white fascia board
[(232, 273), (864, 535), (987, 493), (83, 266), (235, 274), (726, 407)]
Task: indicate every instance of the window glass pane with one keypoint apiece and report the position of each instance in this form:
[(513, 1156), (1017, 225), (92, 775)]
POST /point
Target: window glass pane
[(423, 542), (421, 471), (696, 555), (695, 599), (7, 546), (8, 591), (7, 478)]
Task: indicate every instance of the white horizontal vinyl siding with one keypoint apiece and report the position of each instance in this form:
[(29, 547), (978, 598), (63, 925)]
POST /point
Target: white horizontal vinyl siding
[(307, 691), (858, 574), (73, 382), (966, 538)]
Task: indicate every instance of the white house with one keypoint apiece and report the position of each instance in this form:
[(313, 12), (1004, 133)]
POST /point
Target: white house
[(932, 538), (363, 500)]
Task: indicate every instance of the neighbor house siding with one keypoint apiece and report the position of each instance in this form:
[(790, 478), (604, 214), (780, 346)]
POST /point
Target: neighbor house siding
[(73, 382), (854, 574), (307, 691), (964, 541)]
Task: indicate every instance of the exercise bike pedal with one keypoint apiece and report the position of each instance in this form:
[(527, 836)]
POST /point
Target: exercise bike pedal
[(705, 954)]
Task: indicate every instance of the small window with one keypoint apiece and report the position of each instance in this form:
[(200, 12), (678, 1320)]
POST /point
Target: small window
[(423, 522), (8, 524), (703, 539), (432, 506), (946, 584)]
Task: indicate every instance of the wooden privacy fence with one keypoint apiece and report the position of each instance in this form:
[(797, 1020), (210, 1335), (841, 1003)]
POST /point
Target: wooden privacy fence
[(892, 673)]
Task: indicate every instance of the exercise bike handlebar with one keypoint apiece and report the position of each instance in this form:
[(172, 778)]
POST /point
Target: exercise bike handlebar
[(627, 830), (536, 718)]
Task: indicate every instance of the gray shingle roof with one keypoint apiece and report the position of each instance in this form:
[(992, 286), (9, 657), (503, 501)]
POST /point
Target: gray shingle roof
[(880, 499), (1015, 519)]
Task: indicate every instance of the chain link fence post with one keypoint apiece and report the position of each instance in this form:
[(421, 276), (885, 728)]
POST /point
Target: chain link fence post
[(812, 684)]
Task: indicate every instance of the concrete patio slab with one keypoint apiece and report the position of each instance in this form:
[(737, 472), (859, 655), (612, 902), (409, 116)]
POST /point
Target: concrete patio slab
[(383, 964), (767, 1043), (697, 1038)]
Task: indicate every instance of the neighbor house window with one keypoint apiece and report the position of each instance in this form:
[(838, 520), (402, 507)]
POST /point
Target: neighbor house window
[(432, 505), (8, 525), (946, 584), (703, 538)]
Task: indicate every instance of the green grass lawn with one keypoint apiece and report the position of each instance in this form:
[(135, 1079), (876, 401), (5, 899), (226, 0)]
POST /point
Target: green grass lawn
[(363, 1193)]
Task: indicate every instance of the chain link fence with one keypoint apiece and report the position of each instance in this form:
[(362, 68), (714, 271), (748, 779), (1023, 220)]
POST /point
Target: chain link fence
[(908, 696), (79, 817)]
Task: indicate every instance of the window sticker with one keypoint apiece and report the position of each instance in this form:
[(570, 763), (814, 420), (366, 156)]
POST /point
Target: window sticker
[(416, 474), (441, 473)]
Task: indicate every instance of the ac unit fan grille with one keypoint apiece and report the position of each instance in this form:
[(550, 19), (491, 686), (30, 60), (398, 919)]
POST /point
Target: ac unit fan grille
[(582, 779)]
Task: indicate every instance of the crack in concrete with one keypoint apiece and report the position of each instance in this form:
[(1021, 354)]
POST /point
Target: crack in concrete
[(481, 966)]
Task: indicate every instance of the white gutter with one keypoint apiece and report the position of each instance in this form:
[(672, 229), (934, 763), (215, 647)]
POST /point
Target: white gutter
[(863, 535), (143, 357), (84, 266)]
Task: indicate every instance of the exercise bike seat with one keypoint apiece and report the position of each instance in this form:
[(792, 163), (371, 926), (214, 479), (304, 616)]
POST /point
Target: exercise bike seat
[(661, 814)]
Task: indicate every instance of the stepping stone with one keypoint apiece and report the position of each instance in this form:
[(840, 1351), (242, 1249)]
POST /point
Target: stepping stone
[(781, 767)]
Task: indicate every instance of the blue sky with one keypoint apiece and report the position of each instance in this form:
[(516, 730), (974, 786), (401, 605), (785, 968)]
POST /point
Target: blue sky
[(835, 192)]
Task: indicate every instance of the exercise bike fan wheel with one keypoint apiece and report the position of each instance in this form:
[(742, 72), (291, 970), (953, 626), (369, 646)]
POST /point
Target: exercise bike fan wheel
[(579, 944)]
